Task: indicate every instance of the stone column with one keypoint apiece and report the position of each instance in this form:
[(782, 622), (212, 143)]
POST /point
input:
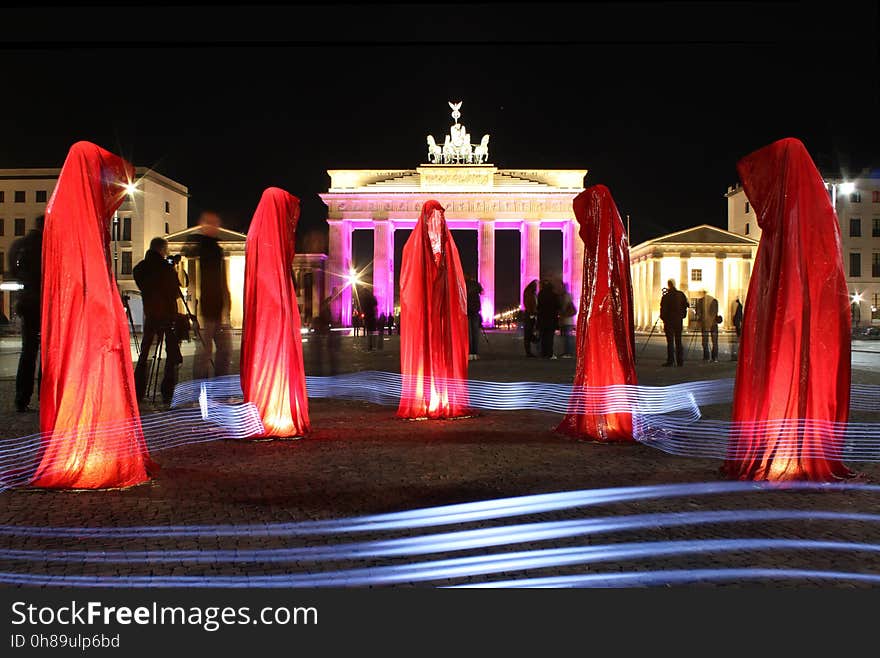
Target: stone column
[(684, 275), (721, 288), (530, 254), (383, 265), (654, 291), (339, 266), (576, 283), (486, 270), (746, 278)]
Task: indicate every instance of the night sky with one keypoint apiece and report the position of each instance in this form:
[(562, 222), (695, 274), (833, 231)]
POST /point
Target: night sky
[(658, 102)]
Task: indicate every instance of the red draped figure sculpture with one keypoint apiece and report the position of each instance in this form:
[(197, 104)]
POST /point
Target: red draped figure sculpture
[(794, 364), (272, 374), (433, 322), (605, 331), (88, 407)]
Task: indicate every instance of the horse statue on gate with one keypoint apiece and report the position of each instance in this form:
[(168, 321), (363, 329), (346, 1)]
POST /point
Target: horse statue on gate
[(481, 152), (435, 153)]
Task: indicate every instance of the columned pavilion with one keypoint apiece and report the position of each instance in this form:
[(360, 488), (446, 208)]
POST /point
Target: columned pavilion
[(476, 195), (701, 260)]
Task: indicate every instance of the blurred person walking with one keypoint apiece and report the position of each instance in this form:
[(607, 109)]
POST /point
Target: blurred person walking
[(214, 298)]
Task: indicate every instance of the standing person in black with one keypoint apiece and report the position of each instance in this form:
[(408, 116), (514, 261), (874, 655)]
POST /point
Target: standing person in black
[(160, 289), (673, 309), (530, 312), (356, 322), (548, 318), (370, 304), (214, 298), (26, 260), (737, 324), (474, 290)]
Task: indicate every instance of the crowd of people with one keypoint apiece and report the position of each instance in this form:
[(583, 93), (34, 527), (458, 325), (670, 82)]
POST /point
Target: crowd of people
[(547, 307)]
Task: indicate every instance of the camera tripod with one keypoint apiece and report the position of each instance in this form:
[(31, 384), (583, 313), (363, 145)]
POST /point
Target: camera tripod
[(648, 339), (137, 345), (693, 340), (155, 366)]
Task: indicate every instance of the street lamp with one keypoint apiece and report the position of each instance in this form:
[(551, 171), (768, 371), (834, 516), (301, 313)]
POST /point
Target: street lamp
[(130, 189), (845, 187)]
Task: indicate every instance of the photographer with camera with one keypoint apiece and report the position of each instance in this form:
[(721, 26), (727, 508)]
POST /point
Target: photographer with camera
[(215, 302), (673, 310), (156, 277)]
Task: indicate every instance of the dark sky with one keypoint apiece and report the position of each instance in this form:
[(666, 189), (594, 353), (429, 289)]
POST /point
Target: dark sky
[(657, 101)]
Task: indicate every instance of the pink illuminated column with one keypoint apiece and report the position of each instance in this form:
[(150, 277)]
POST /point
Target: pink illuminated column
[(338, 269), (573, 261), (383, 265), (530, 254), (486, 273)]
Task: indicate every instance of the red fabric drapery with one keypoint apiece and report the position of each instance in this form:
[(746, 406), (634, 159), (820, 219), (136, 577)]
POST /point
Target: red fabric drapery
[(605, 331), (433, 322), (272, 373), (88, 408), (795, 357)]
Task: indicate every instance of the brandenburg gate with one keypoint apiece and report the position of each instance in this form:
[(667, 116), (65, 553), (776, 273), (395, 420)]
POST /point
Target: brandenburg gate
[(476, 195)]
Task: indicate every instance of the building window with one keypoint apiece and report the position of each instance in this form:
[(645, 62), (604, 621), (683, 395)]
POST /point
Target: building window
[(875, 196), (747, 207), (747, 228), (126, 228), (875, 228), (855, 197), (696, 275), (41, 196), (126, 262), (875, 264), (855, 265), (2, 264), (166, 228), (875, 307), (2, 196), (855, 227), (2, 227), (19, 196), (167, 208), (19, 225)]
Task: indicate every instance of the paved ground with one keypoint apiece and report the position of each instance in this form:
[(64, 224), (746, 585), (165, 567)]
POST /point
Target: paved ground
[(360, 459)]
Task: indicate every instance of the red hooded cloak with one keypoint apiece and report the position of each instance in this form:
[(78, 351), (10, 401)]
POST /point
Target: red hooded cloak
[(794, 362), (88, 379), (272, 374), (605, 332), (433, 322)]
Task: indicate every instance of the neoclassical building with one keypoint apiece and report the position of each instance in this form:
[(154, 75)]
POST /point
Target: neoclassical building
[(476, 195), (700, 259)]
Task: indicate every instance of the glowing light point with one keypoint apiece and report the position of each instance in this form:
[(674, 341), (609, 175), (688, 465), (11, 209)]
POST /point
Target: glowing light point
[(203, 402), (847, 188)]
